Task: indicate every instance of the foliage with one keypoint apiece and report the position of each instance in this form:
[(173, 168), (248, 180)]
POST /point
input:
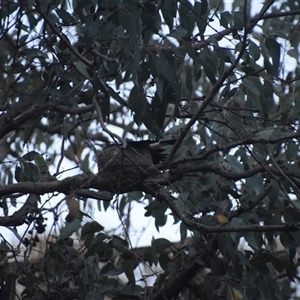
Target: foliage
[(222, 79)]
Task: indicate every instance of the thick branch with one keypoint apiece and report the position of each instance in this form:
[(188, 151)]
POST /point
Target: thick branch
[(180, 171), (20, 216), (18, 113), (193, 223), (40, 188), (75, 185), (176, 282)]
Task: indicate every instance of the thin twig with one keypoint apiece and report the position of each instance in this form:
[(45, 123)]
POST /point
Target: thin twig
[(104, 128)]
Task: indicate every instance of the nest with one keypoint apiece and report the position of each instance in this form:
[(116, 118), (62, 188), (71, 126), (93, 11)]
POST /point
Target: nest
[(123, 170)]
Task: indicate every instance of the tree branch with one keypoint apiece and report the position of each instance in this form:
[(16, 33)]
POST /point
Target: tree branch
[(174, 284), (62, 37), (193, 223), (20, 112), (66, 186), (69, 185)]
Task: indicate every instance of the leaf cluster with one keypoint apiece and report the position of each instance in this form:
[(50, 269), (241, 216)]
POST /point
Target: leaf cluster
[(221, 80)]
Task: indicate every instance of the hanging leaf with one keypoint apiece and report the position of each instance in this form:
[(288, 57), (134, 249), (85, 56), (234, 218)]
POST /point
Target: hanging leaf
[(128, 269), (274, 50)]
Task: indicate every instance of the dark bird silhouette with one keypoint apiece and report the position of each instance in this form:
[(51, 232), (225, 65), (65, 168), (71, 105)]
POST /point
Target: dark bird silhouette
[(122, 169), (154, 147)]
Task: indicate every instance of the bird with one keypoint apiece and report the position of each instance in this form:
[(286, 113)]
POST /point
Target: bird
[(124, 168), (155, 147)]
